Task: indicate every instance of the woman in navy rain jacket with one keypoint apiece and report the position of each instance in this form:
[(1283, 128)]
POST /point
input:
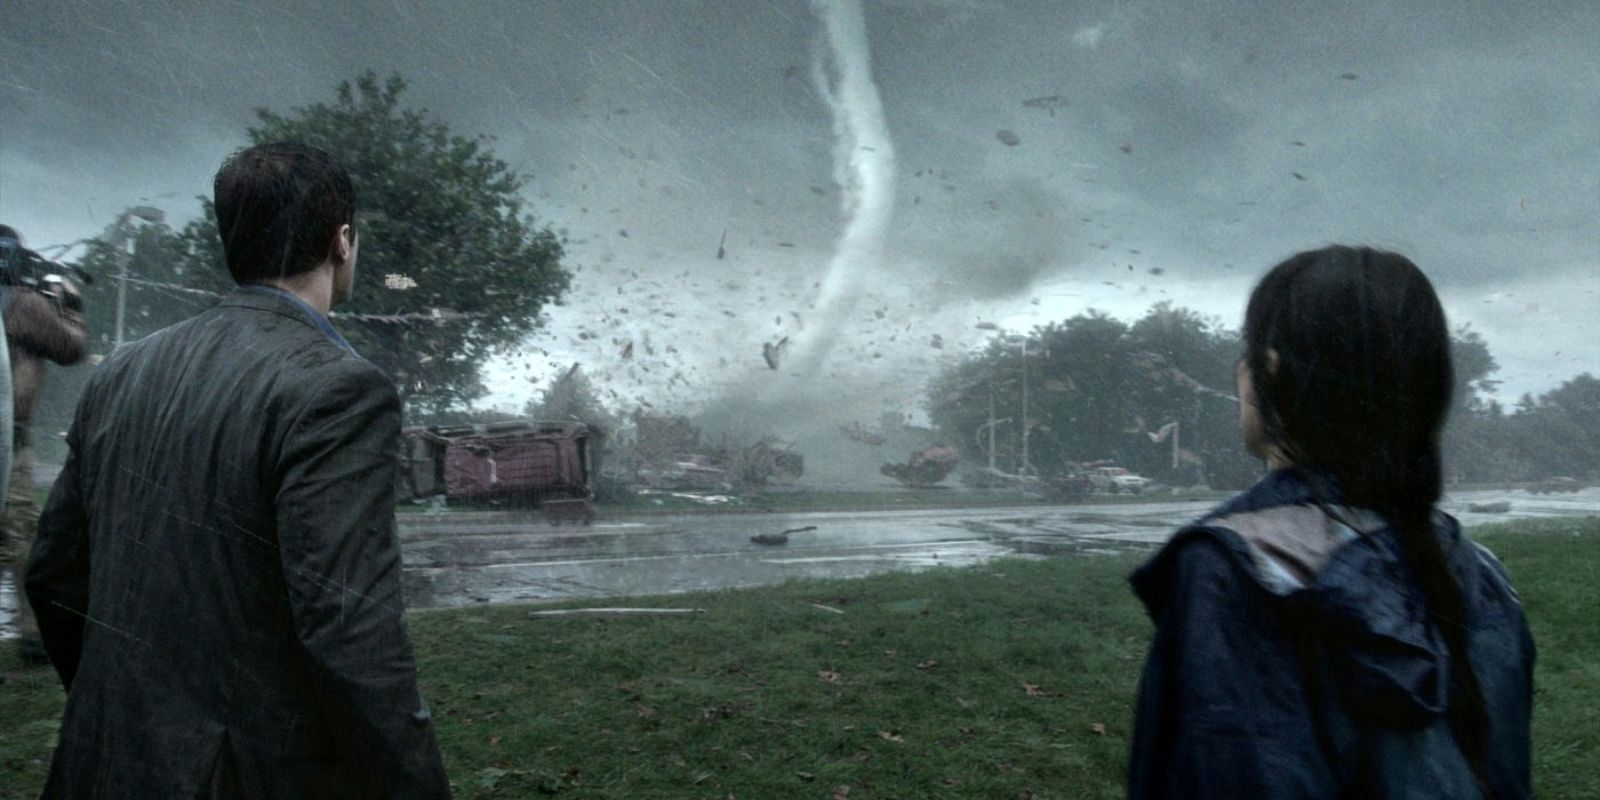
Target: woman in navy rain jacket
[(1329, 633)]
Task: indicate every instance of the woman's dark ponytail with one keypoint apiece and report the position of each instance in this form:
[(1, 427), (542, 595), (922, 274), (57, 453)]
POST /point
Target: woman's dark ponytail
[(1349, 355), (1448, 607)]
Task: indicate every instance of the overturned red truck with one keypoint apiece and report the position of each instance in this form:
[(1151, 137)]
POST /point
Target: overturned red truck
[(548, 465)]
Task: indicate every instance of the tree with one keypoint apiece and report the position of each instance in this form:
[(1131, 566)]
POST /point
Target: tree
[(1560, 433), (1474, 445), (1097, 387), (170, 278), (442, 234), (158, 259), (571, 397)]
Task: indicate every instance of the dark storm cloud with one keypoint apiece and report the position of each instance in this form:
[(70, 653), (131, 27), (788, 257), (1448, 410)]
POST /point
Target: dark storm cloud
[(1201, 134), (997, 242)]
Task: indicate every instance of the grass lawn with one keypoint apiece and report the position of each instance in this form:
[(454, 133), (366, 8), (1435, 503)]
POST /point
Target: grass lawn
[(1013, 679)]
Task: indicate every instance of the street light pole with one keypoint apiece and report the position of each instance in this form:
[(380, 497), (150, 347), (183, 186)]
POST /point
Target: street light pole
[(1027, 466)]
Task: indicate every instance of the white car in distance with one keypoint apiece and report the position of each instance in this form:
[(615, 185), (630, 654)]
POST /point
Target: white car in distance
[(1116, 480)]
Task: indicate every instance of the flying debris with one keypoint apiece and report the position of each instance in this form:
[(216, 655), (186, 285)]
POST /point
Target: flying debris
[(1348, 76), (1126, 147), (1049, 103), (856, 433), (627, 351), (1007, 137), (1298, 176), (1157, 271), (988, 326), (773, 353), (1298, 143), (937, 342), (722, 252)]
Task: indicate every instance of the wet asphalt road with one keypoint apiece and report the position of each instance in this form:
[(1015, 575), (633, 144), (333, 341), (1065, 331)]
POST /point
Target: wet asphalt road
[(464, 559), (453, 563)]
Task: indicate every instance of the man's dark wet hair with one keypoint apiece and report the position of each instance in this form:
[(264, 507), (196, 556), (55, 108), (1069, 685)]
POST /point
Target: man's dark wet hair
[(1358, 392), (278, 206)]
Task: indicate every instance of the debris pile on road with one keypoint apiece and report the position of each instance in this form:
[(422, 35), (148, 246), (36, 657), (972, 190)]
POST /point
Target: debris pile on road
[(925, 467)]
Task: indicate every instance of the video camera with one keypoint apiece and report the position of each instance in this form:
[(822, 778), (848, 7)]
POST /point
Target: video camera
[(20, 266)]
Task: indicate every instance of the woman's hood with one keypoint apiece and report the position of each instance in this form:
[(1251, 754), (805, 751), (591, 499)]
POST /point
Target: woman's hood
[(1345, 588)]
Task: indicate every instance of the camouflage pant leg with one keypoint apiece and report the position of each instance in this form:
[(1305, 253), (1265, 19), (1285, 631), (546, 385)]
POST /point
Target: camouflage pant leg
[(21, 524)]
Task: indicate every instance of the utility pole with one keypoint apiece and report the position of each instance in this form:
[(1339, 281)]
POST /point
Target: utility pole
[(1027, 466), (991, 430), (124, 241)]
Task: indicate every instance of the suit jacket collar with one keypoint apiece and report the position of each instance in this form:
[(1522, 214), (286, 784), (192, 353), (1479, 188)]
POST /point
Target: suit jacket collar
[(279, 301)]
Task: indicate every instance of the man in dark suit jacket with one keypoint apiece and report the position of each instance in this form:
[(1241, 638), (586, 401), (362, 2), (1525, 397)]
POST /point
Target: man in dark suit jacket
[(216, 575)]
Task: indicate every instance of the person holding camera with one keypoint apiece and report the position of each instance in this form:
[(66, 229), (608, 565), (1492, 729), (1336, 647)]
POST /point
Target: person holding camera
[(217, 571), (43, 313)]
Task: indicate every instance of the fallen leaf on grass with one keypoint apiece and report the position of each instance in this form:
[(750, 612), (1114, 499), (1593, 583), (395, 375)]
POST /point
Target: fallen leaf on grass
[(841, 792), (489, 777), (494, 741), (1027, 794), (828, 676), (929, 664), (805, 776), (964, 702), (1035, 690), (1099, 728), (890, 736), (720, 711), (644, 711)]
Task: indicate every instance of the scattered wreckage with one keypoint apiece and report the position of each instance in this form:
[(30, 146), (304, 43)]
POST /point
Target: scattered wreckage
[(925, 467)]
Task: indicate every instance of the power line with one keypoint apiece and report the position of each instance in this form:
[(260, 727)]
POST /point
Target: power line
[(438, 315)]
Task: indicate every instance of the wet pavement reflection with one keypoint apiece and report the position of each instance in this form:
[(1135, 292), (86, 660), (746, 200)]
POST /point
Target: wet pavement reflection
[(454, 560)]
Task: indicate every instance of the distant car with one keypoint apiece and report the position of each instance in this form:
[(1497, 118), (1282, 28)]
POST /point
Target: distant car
[(1555, 485), (1067, 487), (1116, 480)]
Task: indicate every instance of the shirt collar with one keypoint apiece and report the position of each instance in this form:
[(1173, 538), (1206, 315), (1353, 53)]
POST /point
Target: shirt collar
[(316, 318)]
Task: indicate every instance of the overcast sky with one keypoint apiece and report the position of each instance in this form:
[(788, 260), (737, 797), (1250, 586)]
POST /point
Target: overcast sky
[(1207, 141)]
